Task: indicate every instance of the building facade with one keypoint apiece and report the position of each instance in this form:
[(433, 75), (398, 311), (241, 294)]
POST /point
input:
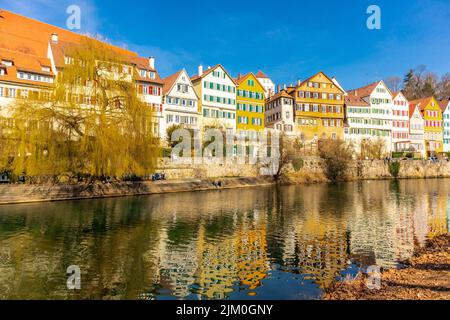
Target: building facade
[(417, 131), (268, 84), (400, 122), (217, 98), (250, 103), (445, 107), (319, 108), (376, 122), (180, 103), (433, 125), (279, 113)]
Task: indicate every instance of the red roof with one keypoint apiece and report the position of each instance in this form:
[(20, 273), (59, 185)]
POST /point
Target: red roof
[(261, 74), (421, 103), (169, 82), (444, 104), (353, 100), (364, 91)]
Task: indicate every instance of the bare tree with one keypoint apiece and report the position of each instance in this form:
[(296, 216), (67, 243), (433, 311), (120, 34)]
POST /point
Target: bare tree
[(394, 83)]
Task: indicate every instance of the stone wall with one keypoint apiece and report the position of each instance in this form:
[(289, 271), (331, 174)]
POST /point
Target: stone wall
[(185, 178)]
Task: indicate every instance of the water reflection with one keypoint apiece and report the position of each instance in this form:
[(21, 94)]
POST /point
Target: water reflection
[(265, 243)]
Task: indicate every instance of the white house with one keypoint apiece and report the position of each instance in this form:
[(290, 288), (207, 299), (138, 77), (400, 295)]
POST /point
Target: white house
[(445, 107), (217, 97), (279, 113), (369, 114), (180, 103), (400, 122), (417, 130), (267, 83)]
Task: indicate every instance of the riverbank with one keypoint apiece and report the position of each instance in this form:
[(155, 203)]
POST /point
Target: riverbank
[(425, 277), (16, 193), (187, 178)]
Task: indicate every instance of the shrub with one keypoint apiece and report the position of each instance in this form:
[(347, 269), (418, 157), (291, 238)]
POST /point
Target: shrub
[(336, 155), (394, 169), (297, 164)]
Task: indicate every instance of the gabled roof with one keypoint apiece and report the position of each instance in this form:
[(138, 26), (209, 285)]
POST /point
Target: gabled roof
[(412, 110), (352, 100), (261, 75), (205, 73), (281, 94), (169, 82), (238, 81), (444, 104), (364, 91), (22, 34), (305, 82), (421, 103)]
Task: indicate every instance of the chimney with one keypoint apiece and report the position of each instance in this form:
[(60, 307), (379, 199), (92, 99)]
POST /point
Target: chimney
[(278, 88), (291, 85), (239, 75), (200, 70), (54, 38), (299, 82), (284, 86), (356, 93), (151, 62)]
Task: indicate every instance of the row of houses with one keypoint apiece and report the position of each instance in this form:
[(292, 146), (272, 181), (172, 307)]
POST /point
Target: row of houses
[(32, 54)]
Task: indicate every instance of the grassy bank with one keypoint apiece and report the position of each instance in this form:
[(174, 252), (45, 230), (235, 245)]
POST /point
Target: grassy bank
[(426, 276)]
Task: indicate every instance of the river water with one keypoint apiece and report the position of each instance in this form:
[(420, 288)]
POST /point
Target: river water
[(262, 243)]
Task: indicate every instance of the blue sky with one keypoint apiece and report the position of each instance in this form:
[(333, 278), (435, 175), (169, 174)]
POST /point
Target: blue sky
[(288, 40)]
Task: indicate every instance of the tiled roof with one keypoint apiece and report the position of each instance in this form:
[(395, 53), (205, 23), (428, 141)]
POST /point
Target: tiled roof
[(444, 104), (24, 62), (364, 91), (421, 103), (280, 94), (19, 33), (412, 109), (352, 100), (169, 81), (261, 74)]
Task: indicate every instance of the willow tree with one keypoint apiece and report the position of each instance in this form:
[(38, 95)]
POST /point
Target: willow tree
[(93, 122)]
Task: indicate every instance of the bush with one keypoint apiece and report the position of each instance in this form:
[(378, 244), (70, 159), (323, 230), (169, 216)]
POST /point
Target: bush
[(397, 155), (298, 164), (394, 169), (336, 155)]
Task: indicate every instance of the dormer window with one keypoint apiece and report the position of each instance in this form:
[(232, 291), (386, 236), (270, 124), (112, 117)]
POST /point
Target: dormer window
[(46, 69), (2, 72), (7, 63), (152, 75), (143, 73)]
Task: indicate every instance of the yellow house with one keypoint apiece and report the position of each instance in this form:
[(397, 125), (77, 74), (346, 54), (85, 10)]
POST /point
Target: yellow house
[(319, 108), (433, 124), (250, 97)]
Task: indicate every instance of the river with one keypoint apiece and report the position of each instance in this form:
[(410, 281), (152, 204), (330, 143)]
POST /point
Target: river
[(262, 243)]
